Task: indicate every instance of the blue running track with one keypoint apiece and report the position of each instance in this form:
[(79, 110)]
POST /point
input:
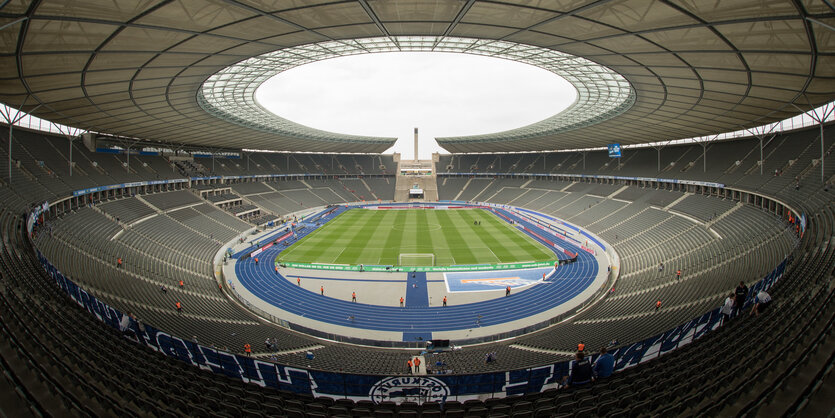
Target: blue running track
[(417, 319)]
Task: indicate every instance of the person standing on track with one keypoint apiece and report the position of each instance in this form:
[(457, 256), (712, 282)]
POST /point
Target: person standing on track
[(354, 297), (444, 300), (299, 281), (507, 291), (322, 290), (401, 301)]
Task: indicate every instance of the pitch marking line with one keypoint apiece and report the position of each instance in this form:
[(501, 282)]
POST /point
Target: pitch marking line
[(498, 279)]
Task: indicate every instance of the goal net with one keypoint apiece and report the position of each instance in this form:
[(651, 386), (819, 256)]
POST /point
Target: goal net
[(416, 259)]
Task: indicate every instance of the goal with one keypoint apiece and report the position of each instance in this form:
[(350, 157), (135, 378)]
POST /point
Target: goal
[(419, 259)]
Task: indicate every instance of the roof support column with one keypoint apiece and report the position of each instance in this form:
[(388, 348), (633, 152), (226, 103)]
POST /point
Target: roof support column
[(820, 115), (11, 120), (72, 134)]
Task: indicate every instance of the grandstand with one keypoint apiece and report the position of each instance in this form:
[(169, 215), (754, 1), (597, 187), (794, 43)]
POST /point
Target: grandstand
[(121, 230)]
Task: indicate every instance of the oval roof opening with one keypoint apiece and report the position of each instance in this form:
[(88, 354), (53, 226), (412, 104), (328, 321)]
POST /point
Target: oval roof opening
[(389, 94)]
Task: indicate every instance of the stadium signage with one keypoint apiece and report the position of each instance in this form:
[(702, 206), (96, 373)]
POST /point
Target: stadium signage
[(428, 269), (409, 389), (590, 176), (614, 150), (126, 185)]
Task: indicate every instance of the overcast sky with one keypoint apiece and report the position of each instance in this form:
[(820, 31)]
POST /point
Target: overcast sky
[(442, 94)]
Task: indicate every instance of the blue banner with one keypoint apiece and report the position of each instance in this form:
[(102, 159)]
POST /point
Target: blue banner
[(614, 150)]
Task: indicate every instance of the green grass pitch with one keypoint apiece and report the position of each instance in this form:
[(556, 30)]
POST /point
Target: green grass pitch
[(378, 237)]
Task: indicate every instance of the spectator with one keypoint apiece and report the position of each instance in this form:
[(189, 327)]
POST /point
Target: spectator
[(248, 349), (678, 274), (119, 262), (604, 365), (181, 284), (660, 266), (581, 346), (268, 344), (761, 303), (179, 307), (124, 323), (163, 289), (740, 294), (727, 308), (580, 371), (490, 357), (657, 305)]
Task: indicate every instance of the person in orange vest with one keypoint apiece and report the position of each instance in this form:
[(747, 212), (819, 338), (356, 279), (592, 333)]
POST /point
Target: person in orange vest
[(119, 262), (181, 284), (409, 366), (299, 281), (444, 300), (248, 349), (256, 260), (354, 297), (678, 274), (581, 346), (179, 307), (401, 301), (276, 269), (417, 363), (657, 305), (322, 290), (507, 291)]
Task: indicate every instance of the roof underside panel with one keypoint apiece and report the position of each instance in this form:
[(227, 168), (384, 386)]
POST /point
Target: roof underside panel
[(134, 68)]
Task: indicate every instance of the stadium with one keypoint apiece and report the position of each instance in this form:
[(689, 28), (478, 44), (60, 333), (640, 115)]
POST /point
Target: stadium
[(171, 247)]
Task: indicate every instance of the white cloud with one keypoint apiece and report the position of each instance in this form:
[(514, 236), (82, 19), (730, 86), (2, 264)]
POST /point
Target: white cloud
[(443, 94)]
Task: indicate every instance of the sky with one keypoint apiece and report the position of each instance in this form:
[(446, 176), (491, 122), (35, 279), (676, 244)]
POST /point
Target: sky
[(390, 94)]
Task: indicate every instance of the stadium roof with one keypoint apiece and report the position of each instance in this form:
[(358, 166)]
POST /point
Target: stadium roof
[(135, 68)]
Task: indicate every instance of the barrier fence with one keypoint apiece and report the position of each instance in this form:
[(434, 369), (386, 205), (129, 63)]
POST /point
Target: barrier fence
[(428, 269)]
